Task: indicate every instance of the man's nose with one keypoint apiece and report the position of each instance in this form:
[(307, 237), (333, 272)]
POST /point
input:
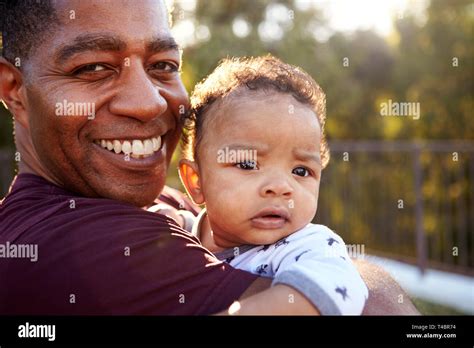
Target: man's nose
[(276, 186), (137, 96)]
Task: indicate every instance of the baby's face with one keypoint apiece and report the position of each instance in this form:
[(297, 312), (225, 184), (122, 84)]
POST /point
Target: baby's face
[(263, 201)]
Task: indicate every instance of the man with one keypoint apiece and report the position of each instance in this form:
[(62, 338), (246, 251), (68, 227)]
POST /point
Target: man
[(96, 96)]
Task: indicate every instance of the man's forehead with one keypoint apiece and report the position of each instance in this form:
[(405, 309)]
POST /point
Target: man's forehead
[(107, 25), (122, 16), (94, 6)]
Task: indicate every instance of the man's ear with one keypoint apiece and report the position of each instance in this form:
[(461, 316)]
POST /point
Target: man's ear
[(189, 175), (12, 91)]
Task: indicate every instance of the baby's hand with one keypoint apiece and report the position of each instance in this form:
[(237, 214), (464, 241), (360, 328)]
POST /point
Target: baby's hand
[(184, 218)]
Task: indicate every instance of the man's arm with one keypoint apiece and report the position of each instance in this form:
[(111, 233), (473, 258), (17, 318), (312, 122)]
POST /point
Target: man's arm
[(384, 295), (261, 299), (384, 292)]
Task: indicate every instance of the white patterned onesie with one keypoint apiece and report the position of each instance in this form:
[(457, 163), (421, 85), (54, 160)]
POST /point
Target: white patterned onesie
[(312, 260)]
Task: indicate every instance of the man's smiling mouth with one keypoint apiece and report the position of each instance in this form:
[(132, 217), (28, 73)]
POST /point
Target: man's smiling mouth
[(136, 148)]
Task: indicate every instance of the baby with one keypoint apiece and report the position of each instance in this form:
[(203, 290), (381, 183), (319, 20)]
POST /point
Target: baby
[(253, 152)]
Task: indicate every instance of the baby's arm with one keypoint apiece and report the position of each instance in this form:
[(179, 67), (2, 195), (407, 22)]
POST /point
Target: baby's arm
[(315, 262)]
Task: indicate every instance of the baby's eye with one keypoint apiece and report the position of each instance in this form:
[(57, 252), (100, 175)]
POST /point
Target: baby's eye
[(246, 165), (301, 171)]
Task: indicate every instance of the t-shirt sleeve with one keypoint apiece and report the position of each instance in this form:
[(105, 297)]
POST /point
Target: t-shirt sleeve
[(119, 260), (168, 271), (317, 264), (178, 200)]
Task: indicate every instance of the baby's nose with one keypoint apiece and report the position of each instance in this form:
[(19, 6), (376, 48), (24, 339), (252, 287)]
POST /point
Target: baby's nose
[(277, 187)]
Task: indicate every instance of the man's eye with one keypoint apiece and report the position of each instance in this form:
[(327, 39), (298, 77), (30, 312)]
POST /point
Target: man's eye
[(90, 68), (165, 66), (301, 171), (246, 165)]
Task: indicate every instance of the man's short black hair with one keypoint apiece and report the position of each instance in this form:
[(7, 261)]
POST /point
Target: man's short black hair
[(24, 25)]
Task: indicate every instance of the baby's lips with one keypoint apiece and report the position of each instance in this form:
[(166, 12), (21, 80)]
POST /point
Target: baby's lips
[(269, 222), (273, 211)]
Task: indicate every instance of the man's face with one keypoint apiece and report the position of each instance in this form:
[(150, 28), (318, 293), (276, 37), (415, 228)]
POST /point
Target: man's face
[(104, 99)]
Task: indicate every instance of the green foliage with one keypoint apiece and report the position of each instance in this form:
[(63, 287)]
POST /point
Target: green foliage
[(416, 64), (429, 308)]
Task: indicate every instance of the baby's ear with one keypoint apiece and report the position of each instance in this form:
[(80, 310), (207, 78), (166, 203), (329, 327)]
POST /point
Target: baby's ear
[(189, 175)]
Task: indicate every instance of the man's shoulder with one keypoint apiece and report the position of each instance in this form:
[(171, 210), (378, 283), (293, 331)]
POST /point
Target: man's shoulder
[(39, 211), (114, 258)]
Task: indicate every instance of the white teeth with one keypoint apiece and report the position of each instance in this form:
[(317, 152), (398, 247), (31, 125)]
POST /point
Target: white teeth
[(110, 145), (148, 147), (117, 146), (156, 143), (136, 148), (126, 147)]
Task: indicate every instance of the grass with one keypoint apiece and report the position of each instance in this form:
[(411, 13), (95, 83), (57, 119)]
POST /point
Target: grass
[(430, 308)]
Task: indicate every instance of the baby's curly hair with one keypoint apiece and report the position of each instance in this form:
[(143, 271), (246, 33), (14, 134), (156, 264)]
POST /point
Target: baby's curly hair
[(265, 73)]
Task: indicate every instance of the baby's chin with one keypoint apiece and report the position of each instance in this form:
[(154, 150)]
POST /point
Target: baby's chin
[(258, 236), (265, 237)]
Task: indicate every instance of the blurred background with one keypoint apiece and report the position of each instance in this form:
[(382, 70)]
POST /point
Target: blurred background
[(400, 189)]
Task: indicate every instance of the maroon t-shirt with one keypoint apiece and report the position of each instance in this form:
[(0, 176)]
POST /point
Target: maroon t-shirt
[(101, 256)]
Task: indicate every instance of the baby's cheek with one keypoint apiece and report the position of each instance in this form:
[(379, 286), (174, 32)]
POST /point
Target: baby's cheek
[(308, 207), (224, 203)]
